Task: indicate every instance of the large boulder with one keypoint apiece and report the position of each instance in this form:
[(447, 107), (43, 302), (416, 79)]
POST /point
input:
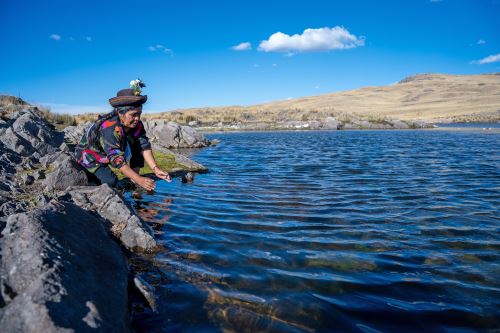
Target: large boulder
[(133, 233), (398, 124), (60, 272), (172, 135), (29, 134), (73, 134), (331, 123), (67, 172)]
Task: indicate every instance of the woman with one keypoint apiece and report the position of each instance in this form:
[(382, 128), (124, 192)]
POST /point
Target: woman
[(118, 139)]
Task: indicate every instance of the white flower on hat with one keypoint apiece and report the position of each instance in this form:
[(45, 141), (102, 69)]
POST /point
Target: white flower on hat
[(137, 85)]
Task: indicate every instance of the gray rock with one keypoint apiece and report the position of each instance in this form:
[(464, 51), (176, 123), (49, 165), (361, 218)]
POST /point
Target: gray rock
[(188, 177), (314, 124), (173, 135), (11, 207), (16, 143), (64, 147), (36, 131), (27, 179), (56, 157), (43, 200), (38, 174), (193, 123), (134, 234), (67, 173), (331, 124), (398, 124), (73, 134), (147, 291), (350, 126), (8, 160), (60, 273), (420, 124)]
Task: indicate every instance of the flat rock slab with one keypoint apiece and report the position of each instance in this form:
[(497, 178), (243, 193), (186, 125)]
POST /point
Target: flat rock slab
[(133, 233), (61, 272)]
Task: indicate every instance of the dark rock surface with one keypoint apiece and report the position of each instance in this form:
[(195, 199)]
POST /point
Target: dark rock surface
[(61, 274), (66, 173), (133, 233), (62, 250), (28, 134)]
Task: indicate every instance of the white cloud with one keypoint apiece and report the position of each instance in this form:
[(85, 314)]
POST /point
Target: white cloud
[(88, 39), (481, 42), (256, 65), (245, 46), (311, 40), (487, 60), (159, 47), (55, 37)]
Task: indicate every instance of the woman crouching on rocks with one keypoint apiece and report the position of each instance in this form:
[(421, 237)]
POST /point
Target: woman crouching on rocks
[(118, 139)]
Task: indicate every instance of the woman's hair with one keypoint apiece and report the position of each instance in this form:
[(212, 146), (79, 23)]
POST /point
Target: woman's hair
[(93, 131)]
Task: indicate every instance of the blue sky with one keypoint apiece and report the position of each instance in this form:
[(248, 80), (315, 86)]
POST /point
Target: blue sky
[(73, 55)]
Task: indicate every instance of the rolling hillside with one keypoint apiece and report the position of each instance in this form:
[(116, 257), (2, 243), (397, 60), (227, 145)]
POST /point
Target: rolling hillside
[(429, 97)]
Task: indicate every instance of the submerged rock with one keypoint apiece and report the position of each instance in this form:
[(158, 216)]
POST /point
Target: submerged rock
[(147, 292)]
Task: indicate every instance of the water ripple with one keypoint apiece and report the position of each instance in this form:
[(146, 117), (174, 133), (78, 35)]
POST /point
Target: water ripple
[(363, 231)]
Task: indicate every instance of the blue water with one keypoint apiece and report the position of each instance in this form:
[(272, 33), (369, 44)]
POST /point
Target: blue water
[(342, 231), (471, 125)]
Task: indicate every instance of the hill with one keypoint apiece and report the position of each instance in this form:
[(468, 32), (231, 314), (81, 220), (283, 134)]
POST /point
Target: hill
[(423, 97)]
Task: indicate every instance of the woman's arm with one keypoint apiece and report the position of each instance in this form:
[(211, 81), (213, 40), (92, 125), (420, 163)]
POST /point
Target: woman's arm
[(150, 160), (145, 182)]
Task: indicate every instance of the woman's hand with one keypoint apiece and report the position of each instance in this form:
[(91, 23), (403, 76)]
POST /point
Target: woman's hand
[(162, 174), (146, 183)]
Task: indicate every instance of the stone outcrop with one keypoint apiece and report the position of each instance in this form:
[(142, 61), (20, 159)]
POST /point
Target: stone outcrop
[(28, 134), (63, 245), (172, 135), (167, 135), (73, 134), (329, 123), (61, 274), (66, 173), (133, 233)]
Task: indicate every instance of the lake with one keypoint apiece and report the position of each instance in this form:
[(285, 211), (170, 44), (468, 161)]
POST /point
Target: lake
[(329, 231)]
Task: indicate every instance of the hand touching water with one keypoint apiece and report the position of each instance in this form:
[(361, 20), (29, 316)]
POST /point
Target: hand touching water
[(146, 183), (162, 174)]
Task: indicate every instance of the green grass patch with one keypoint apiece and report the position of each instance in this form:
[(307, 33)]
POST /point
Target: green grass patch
[(165, 161)]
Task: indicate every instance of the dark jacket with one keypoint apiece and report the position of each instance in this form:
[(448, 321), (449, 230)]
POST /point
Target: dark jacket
[(113, 147)]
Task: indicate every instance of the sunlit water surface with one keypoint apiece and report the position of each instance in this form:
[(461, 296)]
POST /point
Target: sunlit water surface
[(348, 231)]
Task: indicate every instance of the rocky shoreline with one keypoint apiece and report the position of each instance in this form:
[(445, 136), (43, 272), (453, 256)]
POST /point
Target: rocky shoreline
[(329, 123), (64, 245)]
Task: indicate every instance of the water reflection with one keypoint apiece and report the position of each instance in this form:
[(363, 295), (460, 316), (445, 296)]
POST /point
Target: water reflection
[(360, 231)]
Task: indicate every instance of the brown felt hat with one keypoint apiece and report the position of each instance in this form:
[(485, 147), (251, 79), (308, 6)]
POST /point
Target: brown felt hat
[(126, 97)]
